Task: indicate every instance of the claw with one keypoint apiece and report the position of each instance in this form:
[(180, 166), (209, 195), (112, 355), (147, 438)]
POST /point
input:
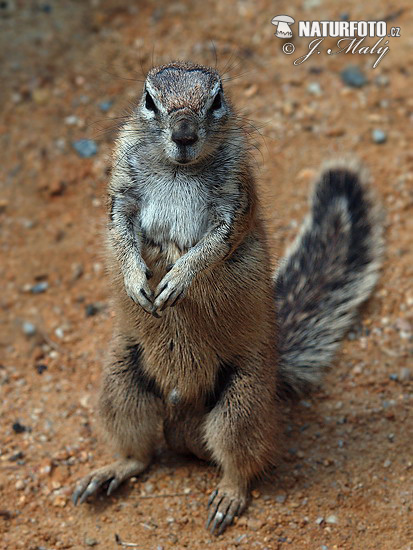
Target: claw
[(114, 484), (223, 509), (211, 498), (76, 494), (90, 489), (229, 518), (213, 511)]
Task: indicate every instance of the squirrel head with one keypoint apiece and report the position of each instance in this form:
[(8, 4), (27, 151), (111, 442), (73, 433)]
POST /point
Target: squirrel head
[(184, 111)]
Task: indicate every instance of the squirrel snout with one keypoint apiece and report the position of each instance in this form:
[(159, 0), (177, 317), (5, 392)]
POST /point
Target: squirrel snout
[(184, 133)]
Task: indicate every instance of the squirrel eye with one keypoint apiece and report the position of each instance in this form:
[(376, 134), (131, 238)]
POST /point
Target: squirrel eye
[(217, 103), (150, 104)]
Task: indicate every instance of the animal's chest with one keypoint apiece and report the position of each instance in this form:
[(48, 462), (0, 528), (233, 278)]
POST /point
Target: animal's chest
[(174, 212)]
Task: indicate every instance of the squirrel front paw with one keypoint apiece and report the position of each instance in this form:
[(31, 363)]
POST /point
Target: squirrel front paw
[(138, 289), (172, 288)]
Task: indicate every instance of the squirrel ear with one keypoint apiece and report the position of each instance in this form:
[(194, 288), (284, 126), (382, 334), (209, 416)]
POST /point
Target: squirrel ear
[(217, 103), (149, 103)]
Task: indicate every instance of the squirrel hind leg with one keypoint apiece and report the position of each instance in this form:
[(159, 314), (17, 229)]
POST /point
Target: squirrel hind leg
[(131, 414)]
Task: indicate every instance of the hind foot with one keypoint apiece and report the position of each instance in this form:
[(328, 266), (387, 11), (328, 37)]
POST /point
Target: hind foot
[(225, 503), (109, 476)]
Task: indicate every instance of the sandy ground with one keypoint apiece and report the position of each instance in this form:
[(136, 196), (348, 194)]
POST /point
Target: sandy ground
[(345, 480)]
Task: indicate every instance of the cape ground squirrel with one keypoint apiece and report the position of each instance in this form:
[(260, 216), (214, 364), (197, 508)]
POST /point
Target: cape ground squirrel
[(207, 339)]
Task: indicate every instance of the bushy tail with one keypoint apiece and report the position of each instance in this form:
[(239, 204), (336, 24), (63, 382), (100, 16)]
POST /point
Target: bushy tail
[(328, 271)]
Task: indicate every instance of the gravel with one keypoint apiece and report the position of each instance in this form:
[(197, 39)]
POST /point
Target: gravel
[(332, 519), (104, 106), (85, 148), (29, 329), (352, 76), (314, 88), (19, 428), (38, 288), (379, 136)]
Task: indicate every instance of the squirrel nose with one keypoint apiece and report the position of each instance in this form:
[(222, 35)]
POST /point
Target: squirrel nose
[(184, 133)]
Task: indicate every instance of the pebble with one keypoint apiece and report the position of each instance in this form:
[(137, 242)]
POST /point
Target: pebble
[(382, 80), (3, 205), (38, 288), (16, 456), (41, 368), (19, 485), (85, 148), (405, 374), (311, 4), (29, 329), (319, 520), (314, 88), (92, 309), (353, 77), (40, 96), (280, 499), (89, 541), (387, 463), (332, 519), (19, 428), (379, 136), (149, 488), (104, 106), (71, 120)]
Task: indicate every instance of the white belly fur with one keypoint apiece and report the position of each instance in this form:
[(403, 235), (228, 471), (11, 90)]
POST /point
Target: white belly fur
[(174, 212)]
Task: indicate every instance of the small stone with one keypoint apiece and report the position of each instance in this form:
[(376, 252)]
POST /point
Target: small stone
[(19, 428), (41, 368), (335, 132), (85, 148), (255, 524), (379, 136), (71, 120), (38, 288), (382, 80), (28, 328), (3, 205), (91, 310), (405, 374), (319, 520), (40, 96), (332, 519), (104, 106), (387, 463), (149, 488), (56, 188), (280, 499), (393, 377), (59, 332), (314, 88), (311, 4), (353, 77), (89, 541), (16, 456), (19, 485)]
